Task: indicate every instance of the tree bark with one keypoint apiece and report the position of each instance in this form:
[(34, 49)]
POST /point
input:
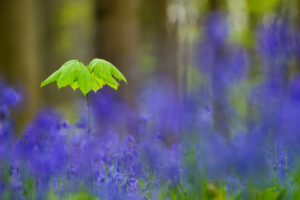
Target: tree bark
[(18, 55), (117, 40), (156, 28), (220, 96)]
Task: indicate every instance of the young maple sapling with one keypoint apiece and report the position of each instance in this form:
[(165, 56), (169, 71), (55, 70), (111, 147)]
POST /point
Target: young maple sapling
[(98, 73)]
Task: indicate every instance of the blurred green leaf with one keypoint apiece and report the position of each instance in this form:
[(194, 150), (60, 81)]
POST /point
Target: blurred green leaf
[(80, 196), (262, 6), (51, 195), (29, 189)]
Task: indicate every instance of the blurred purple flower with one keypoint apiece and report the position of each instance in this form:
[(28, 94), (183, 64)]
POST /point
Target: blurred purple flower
[(42, 147), (11, 97), (216, 28), (274, 40)]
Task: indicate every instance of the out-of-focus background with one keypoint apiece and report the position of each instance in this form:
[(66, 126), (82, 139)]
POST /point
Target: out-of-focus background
[(211, 109), (190, 44)]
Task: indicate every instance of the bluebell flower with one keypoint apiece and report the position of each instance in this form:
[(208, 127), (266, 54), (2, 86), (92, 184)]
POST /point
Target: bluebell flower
[(11, 97), (81, 124), (171, 167), (214, 156), (233, 185), (216, 27), (4, 113), (294, 89), (105, 105), (42, 148), (151, 156), (248, 156), (274, 39)]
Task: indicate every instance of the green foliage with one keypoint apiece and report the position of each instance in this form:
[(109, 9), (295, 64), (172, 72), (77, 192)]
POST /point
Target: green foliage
[(29, 189), (203, 190), (82, 195), (5, 177), (51, 195), (270, 193), (260, 7), (93, 77), (296, 185)]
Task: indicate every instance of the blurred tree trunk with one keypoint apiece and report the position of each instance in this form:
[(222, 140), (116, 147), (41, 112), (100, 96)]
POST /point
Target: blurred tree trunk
[(160, 42), (157, 29), (18, 58), (66, 32), (116, 23), (219, 101)]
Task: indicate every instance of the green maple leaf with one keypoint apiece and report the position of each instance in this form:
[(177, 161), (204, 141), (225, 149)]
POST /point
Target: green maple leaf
[(93, 77), (105, 72)]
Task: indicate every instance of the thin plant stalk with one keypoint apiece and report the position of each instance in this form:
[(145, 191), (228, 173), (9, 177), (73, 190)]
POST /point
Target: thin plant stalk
[(88, 141)]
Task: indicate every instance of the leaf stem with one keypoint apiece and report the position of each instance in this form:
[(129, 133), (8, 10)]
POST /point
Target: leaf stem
[(88, 141)]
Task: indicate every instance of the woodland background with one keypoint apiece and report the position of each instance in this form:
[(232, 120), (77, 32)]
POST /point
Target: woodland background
[(145, 39)]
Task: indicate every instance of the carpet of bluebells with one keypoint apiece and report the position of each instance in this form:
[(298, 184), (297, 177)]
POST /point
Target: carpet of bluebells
[(168, 147)]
